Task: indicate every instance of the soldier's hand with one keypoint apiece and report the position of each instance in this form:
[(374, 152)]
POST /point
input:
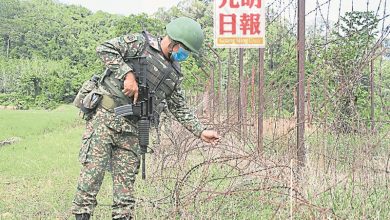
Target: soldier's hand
[(130, 86), (210, 136)]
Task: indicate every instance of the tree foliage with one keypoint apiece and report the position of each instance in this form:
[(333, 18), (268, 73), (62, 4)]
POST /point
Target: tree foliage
[(48, 50), (348, 58)]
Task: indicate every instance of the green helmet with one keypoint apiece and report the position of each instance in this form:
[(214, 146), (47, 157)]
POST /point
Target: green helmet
[(186, 31)]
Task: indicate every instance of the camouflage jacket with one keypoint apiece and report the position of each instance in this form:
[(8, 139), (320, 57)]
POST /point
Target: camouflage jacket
[(114, 53)]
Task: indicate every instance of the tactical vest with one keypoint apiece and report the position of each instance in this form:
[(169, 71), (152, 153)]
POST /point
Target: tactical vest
[(162, 76)]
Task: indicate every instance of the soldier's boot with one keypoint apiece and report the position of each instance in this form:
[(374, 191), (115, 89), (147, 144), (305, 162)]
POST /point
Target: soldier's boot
[(83, 216)]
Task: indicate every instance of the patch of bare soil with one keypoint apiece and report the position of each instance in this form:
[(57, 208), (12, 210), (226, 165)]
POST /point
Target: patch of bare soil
[(9, 141)]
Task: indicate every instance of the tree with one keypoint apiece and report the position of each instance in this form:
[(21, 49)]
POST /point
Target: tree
[(348, 58)]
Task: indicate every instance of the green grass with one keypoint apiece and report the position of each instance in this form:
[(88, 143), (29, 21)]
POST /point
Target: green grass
[(35, 122), (38, 173)]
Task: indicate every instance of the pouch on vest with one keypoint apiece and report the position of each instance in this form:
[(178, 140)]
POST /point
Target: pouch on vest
[(88, 97), (91, 101)]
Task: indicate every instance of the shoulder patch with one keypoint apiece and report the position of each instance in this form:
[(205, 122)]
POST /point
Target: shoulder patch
[(130, 38)]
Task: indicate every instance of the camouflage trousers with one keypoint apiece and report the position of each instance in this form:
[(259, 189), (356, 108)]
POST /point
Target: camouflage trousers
[(108, 142)]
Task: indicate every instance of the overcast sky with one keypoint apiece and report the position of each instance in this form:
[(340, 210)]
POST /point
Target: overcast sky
[(127, 7)]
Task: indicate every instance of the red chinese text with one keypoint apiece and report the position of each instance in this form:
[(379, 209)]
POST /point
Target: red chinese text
[(251, 23), (236, 3), (227, 23)]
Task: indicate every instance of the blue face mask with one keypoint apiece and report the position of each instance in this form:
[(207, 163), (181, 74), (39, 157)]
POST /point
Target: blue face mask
[(180, 55)]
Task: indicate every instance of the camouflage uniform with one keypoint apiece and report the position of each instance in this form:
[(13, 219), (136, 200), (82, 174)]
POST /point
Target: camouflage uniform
[(112, 141)]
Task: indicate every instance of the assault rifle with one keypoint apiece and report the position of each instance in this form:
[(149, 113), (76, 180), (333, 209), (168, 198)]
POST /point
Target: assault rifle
[(142, 110)]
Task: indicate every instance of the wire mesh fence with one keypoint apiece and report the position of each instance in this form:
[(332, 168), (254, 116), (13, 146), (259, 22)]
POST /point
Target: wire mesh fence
[(347, 168)]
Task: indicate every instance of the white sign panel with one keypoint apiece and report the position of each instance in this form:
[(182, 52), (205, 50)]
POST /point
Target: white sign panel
[(239, 23)]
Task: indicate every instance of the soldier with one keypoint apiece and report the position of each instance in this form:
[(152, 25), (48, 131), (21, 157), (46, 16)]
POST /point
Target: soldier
[(111, 141)]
